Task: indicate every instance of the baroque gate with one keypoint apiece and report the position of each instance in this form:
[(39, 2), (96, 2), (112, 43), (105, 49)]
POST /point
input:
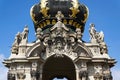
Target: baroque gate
[(59, 51)]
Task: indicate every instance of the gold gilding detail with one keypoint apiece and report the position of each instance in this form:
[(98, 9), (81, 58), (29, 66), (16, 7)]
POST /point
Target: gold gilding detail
[(41, 25), (75, 3), (77, 26), (74, 23), (74, 9), (85, 18), (80, 26), (44, 8), (44, 11), (44, 23), (85, 15), (70, 22), (43, 3), (65, 21), (53, 21), (38, 26), (74, 12), (48, 22)]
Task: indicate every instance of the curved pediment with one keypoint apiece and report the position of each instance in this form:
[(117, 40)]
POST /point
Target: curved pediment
[(35, 50), (78, 50), (82, 50)]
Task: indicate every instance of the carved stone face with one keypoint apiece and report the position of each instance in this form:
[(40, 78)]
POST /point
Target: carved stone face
[(46, 39)]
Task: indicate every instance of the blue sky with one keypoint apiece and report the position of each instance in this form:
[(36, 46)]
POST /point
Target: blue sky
[(105, 14)]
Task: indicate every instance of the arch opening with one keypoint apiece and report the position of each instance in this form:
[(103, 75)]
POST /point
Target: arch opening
[(59, 68), (60, 78)]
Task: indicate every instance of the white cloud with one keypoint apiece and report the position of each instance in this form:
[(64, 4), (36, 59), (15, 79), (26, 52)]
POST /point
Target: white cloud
[(116, 74), (3, 70)]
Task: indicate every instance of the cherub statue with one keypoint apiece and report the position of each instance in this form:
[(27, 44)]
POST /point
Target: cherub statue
[(100, 37)]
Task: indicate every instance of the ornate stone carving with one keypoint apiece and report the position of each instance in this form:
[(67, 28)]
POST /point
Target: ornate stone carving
[(39, 33), (11, 76), (35, 75), (21, 76), (107, 77), (98, 72), (98, 76), (98, 69), (79, 34), (59, 41), (106, 72), (59, 16), (83, 75)]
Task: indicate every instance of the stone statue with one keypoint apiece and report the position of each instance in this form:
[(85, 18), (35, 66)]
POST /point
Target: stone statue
[(100, 40), (103, 48), (17, 39), (16, 43), (100, 37), (92, 31), (24, 35), (46, 39), (39, 33), (79, 34)]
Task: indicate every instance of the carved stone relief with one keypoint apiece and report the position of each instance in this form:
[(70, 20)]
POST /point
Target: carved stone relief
[(35, 75), (11, 76), (98, 72), (21, 76)]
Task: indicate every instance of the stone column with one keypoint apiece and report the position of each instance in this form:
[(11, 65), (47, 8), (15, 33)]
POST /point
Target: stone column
[(77, 75)]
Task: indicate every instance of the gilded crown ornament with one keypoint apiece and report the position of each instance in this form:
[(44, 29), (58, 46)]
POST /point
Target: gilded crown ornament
[(44, 14)]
